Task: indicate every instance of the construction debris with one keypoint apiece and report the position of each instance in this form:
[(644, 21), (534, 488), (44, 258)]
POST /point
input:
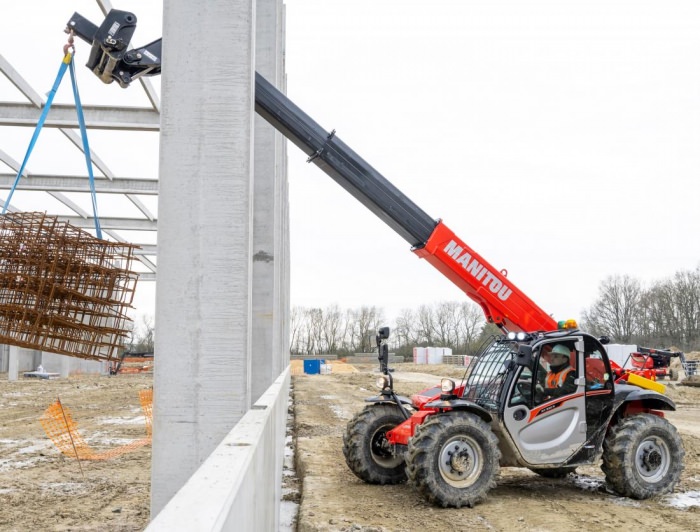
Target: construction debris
[(63, 290)]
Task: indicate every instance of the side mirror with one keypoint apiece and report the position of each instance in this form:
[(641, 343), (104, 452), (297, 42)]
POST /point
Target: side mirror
[(524, 356), (383, 333), (605, 340)]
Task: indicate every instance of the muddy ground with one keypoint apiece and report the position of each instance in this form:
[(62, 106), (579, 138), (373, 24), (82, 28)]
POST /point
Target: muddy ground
[(333, 499), (41, 489)]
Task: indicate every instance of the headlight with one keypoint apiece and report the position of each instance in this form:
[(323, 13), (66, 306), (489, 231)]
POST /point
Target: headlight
[(447, 385), (511, 335), (521, 336), (382, 382)]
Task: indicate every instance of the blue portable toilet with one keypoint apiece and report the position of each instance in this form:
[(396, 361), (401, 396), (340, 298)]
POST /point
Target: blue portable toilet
[(312, 367)]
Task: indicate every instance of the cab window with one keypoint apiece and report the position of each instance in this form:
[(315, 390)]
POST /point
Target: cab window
[(597, 375), (556, 371), (522, 391)]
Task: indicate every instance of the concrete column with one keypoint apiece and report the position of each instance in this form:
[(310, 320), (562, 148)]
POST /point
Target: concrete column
[(270, 241), (36, 359), (4, 355), (13, 363), (202, 381), (269, 219)]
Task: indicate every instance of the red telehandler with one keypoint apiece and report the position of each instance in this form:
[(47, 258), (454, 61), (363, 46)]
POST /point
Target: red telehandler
[(451, 440)]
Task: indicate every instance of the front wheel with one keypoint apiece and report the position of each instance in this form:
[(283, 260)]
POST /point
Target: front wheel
[(643, 456), (453, 459), (367, 451)]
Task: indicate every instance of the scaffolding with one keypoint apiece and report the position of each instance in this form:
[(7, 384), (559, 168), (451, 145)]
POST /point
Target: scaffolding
[(63, 290)]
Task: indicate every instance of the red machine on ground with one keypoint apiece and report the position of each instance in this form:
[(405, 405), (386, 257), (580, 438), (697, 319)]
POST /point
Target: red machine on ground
[(656, 363), (652, 364), (450, 441)]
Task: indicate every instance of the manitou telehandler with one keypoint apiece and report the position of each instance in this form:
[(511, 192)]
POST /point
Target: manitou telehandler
[(450, 441)]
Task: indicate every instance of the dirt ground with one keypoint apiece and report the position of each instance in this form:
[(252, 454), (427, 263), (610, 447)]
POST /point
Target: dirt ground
[(41, 489), (333, 499)]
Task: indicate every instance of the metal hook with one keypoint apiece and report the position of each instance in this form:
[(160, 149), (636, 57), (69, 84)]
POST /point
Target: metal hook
[(69, 44)]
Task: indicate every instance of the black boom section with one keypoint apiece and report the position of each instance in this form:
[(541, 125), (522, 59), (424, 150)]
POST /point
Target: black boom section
[(341, 163), (111, 60)]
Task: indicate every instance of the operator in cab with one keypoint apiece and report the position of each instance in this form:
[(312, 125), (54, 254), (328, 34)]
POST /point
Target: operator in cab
[(560, 376)]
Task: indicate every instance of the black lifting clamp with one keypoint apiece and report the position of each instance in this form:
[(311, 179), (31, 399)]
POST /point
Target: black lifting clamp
[(110, 58)]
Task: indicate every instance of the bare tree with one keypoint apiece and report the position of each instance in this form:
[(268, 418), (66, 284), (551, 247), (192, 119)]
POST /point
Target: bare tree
[(615, 310), (446, 318), (314, 318), (332, 329), (144, 335), (659, 321), (425, 321), (405, 330), (305, 336), (351, 339), (470, 322), (296, 320), (687, 302), (367, 321)]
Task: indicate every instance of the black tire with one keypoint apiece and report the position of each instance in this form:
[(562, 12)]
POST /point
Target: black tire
[(556, 472), (366, 450), (453, 459), (673, 374), (643, 456)]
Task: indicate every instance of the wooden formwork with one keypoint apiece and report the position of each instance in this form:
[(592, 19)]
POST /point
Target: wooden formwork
[(63, 290)]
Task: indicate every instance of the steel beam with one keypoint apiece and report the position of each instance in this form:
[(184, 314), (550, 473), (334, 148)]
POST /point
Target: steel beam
[(96, 117), (126, 224), (118, 185)]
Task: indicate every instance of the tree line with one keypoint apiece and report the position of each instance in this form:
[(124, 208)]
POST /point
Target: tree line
[(458, 325), (663, 315)]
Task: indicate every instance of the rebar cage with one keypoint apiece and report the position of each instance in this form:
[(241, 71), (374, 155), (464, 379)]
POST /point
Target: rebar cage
[(62, 290)]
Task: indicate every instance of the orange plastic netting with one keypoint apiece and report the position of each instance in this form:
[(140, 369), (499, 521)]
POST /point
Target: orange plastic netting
[(63, 431)]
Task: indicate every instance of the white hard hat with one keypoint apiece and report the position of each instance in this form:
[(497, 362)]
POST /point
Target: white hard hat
[(560, 349)]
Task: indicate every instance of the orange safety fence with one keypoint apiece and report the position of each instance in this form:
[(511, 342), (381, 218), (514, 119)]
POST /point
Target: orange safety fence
[(63, 431), (136, 365)]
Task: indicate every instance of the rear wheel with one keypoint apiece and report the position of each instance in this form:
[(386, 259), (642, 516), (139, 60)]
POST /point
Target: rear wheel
[(555, 472), (453, 459), (643, 456), (367, 452), (673, 374)]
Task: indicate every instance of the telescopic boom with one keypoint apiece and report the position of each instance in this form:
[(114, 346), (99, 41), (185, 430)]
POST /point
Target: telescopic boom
[(502, 302)]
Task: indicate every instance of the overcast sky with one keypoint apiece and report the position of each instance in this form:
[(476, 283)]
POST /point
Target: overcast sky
[(559, 139)]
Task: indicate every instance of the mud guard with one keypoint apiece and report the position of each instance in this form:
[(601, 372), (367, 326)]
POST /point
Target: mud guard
[(625, 393), (462, 405), (383, 400)]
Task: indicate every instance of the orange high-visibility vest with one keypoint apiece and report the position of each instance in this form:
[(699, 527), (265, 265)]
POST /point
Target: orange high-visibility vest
[(555, 380)]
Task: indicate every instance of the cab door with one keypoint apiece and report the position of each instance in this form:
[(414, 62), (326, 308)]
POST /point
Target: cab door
[(547, 430)]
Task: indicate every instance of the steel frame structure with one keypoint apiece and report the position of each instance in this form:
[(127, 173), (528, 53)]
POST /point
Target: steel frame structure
[(64, 119)]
